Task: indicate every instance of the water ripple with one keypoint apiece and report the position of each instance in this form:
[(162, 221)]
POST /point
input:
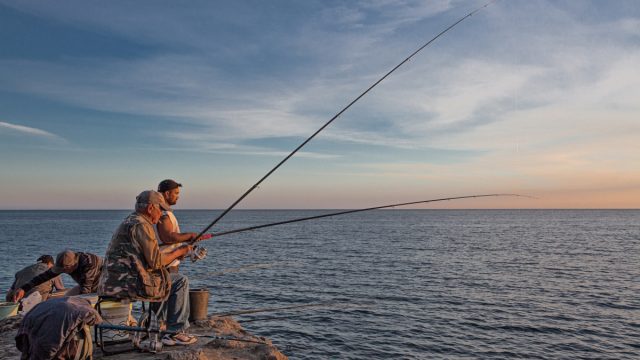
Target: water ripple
[(497, 284)]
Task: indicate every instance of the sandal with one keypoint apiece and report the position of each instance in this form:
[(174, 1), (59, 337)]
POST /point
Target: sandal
[(178, 339)]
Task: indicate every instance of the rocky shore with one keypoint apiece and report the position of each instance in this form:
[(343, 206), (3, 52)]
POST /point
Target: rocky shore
[(204, 349)]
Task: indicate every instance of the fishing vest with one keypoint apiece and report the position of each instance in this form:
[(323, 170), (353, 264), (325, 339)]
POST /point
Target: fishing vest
[(174, 228), (133, 263)]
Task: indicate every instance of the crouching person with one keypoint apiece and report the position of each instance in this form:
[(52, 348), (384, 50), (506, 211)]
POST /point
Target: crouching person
[(84, 268), (58, 329), (37, 293), (136, 269)]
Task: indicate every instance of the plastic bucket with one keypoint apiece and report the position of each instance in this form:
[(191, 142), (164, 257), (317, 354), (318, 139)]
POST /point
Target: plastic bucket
[(115, 313), (198, 304), (8, 309), (93, 298)]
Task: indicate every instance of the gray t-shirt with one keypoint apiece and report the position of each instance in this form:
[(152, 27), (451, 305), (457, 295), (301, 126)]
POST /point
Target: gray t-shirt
[(25, 275)]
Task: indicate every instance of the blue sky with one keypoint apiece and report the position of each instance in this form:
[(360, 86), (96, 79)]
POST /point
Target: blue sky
[(100, 100)]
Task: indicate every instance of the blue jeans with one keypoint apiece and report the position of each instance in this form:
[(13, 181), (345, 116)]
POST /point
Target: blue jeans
[(175, 311)]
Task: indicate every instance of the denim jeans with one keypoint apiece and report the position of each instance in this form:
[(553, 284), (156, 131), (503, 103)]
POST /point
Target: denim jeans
[(175, 310)]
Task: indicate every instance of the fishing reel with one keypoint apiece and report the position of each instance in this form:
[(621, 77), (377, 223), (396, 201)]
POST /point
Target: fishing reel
[(198, 253), (150, 340)]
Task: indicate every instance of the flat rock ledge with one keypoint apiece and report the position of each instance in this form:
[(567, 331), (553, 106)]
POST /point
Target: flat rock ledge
[(204, 349)]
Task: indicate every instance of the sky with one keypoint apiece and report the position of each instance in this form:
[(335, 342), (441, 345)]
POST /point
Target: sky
[(101, 100)]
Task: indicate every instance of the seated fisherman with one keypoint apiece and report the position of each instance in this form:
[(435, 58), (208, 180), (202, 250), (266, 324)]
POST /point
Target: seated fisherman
[(136, 269), (84, 268), (22, 277)]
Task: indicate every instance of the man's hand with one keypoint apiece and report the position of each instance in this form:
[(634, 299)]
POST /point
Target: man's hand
[(18, 295), (176, 253), (192, 236), (205, 237), (182, 250)]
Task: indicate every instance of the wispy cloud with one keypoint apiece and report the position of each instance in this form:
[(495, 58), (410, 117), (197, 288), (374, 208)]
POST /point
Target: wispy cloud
[(26, 130), (442, 98)]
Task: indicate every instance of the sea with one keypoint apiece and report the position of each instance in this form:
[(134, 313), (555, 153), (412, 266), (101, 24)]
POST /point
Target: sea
[(398, 284)]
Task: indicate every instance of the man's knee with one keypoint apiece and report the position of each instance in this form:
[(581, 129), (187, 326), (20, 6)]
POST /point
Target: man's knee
[(179, 281)]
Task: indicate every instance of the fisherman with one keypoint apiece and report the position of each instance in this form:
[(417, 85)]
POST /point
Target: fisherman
[(167, 227), (84, 268), (136, 269), (170, 236), (22, 277)]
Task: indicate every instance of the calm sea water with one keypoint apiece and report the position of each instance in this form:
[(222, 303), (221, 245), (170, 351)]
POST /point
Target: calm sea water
[(400, 284)]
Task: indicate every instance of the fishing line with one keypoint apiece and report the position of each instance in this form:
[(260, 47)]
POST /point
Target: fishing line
[(337, 115), (358, 210), (254, 311), (251, 267), (273, 318), (337, 306)]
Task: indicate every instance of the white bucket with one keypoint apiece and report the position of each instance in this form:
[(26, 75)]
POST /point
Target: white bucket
[(93, 298), (115, 313)]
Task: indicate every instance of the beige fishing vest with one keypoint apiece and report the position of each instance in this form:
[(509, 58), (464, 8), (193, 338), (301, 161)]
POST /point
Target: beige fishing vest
[(174, 228)]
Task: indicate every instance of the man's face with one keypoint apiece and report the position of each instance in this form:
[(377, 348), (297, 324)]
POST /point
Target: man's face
[(154, 213), (172, 196)]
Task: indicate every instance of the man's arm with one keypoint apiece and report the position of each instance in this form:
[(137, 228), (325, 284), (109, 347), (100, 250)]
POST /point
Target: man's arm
[(178, 252), (57, 283), (45, 276), (168, 236), (146, 239)]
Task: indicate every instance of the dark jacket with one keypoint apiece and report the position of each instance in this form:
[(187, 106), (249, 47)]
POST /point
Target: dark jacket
[(49, 330), (86, 274)]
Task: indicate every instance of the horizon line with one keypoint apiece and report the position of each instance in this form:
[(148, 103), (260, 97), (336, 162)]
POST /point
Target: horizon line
[(320, 209)]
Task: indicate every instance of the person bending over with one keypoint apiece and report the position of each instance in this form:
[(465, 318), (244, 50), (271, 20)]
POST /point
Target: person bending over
[(22, 277), (84, 268)]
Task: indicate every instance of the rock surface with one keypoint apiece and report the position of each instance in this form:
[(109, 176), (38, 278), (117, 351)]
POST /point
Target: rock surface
[(204, 349)]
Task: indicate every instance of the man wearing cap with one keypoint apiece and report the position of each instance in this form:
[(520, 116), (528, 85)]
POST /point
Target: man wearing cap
[(168, 228), (136, 269), (84, 268)]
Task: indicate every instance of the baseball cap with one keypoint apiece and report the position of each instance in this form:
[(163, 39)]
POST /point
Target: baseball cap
[(166, 185), (152, 197), (65, 262)]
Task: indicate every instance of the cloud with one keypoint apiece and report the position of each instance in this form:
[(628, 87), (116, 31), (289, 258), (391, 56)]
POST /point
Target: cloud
[(446, 94), (20, 129), (202, 142)]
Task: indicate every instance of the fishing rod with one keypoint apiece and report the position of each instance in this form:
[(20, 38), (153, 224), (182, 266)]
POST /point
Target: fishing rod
[(255, 311), (168, 332), (215, 235), (335, 117)]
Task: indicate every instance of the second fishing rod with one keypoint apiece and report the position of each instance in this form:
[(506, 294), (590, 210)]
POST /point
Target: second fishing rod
[(219, 217), (345, 212)]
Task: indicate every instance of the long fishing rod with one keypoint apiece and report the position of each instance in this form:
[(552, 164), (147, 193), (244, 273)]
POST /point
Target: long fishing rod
[(215, 235), (336, 116), (273, 309)]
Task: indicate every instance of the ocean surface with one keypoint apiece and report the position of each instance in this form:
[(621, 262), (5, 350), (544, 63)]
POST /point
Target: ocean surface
[(399, 284)]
